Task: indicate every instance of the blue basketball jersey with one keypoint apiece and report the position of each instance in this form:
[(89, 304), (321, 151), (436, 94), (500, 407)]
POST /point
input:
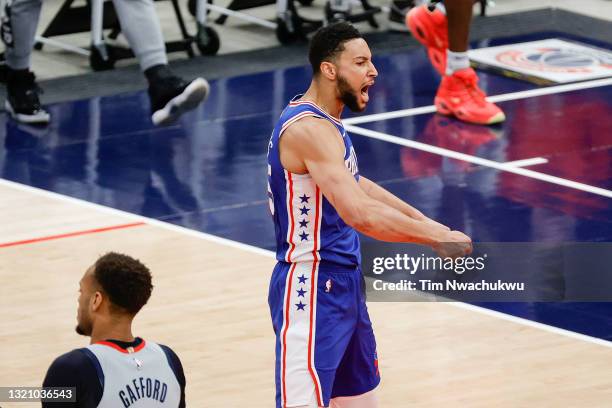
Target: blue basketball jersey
[(308, 228)]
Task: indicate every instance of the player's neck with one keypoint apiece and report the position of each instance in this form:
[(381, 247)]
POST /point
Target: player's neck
[(116, 329), (324, 97)]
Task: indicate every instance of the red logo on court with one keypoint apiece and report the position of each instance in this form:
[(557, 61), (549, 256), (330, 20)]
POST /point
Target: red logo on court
[(562, 60)]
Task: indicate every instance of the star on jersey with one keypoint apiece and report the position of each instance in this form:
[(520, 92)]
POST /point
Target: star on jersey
[(304, 199), (304, 236), (301, 292), (302, 278), (303, 224), (300, 306), (304, 210)]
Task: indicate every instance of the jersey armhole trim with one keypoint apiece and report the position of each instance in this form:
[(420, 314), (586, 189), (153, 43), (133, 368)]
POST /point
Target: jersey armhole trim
[(96, 364), (291, 122), (294, 119), (173, 366)]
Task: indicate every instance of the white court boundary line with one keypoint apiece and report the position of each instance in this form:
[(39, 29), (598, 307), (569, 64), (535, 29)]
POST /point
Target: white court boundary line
[(271, 254), (128, 215), (509, 167), (421, 110), (527, 162), (530, 323)]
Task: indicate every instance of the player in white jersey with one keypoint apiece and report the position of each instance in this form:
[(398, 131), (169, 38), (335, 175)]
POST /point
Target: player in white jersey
[(117, 369)]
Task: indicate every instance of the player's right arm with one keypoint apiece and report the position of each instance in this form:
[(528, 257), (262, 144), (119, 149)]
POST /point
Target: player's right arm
[(74, 369), (314, 146)]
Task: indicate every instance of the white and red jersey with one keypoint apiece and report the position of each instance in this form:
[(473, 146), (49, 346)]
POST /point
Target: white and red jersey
[(138, 377)]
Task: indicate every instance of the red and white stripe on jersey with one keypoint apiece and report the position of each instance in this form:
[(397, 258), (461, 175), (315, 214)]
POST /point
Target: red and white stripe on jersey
[(304, 209), (299, 378), (304, 212), (270, 197), (298, 103), (295, 119), (289, 191)]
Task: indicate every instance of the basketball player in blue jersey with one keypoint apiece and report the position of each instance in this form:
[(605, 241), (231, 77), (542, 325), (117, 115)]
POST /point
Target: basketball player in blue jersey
[(325, 347), (117, 370)]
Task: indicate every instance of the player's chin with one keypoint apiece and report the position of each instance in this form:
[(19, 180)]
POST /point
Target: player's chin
[(364, 96), (355, 101), (361, 106), (362, 100), (83, 331)]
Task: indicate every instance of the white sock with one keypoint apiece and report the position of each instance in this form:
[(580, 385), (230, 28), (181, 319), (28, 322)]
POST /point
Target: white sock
[(456, 61)]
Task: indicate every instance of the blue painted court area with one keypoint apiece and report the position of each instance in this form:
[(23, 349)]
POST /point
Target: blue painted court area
[(208, 172)]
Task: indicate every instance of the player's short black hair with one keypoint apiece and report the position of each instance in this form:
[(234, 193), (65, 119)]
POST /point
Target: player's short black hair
[(125, 280), (328, 42)]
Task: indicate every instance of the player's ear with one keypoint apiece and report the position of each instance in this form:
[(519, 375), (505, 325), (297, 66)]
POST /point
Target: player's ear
[(328, 70), (96, 301)]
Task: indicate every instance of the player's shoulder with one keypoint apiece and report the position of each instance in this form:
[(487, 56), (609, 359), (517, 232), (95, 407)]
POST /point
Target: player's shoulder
[(71, 368), (76, 368), (310, 129), (167, 350), (175, 363), (73, 359), (311, 122)]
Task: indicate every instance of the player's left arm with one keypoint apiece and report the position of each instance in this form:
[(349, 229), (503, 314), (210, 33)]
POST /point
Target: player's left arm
[(378, 193), (177, 368)]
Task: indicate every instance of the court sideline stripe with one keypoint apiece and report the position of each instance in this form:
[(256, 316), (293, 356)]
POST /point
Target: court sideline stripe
[(271, 254), (135, 217), (527, 162), (71, 234), (509, 167), (530, 323), (421, 110)]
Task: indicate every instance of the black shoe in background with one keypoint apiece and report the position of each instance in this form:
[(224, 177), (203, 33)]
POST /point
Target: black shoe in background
[(335, 14), (22, 101), (397, 14), (171, 96)]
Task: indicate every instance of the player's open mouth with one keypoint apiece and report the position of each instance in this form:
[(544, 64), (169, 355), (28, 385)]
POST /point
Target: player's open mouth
[(364, 92)]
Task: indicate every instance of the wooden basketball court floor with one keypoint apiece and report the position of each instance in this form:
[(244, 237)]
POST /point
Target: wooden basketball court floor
[(209, 304)]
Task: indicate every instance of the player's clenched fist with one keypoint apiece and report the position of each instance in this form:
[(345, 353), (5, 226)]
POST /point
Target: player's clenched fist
[(454, 244)]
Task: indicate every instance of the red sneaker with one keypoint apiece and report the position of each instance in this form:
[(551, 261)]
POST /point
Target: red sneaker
[(460, 96), (430, 28)]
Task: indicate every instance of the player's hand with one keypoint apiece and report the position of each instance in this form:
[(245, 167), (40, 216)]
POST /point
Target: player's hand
[(436, 223), (454, 244)]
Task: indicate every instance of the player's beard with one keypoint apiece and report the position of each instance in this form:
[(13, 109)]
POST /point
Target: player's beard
[(348, 95), (82, 331), (83, 327)]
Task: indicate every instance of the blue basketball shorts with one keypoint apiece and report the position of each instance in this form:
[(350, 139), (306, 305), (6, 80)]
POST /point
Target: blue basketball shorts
[(325, 344)]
